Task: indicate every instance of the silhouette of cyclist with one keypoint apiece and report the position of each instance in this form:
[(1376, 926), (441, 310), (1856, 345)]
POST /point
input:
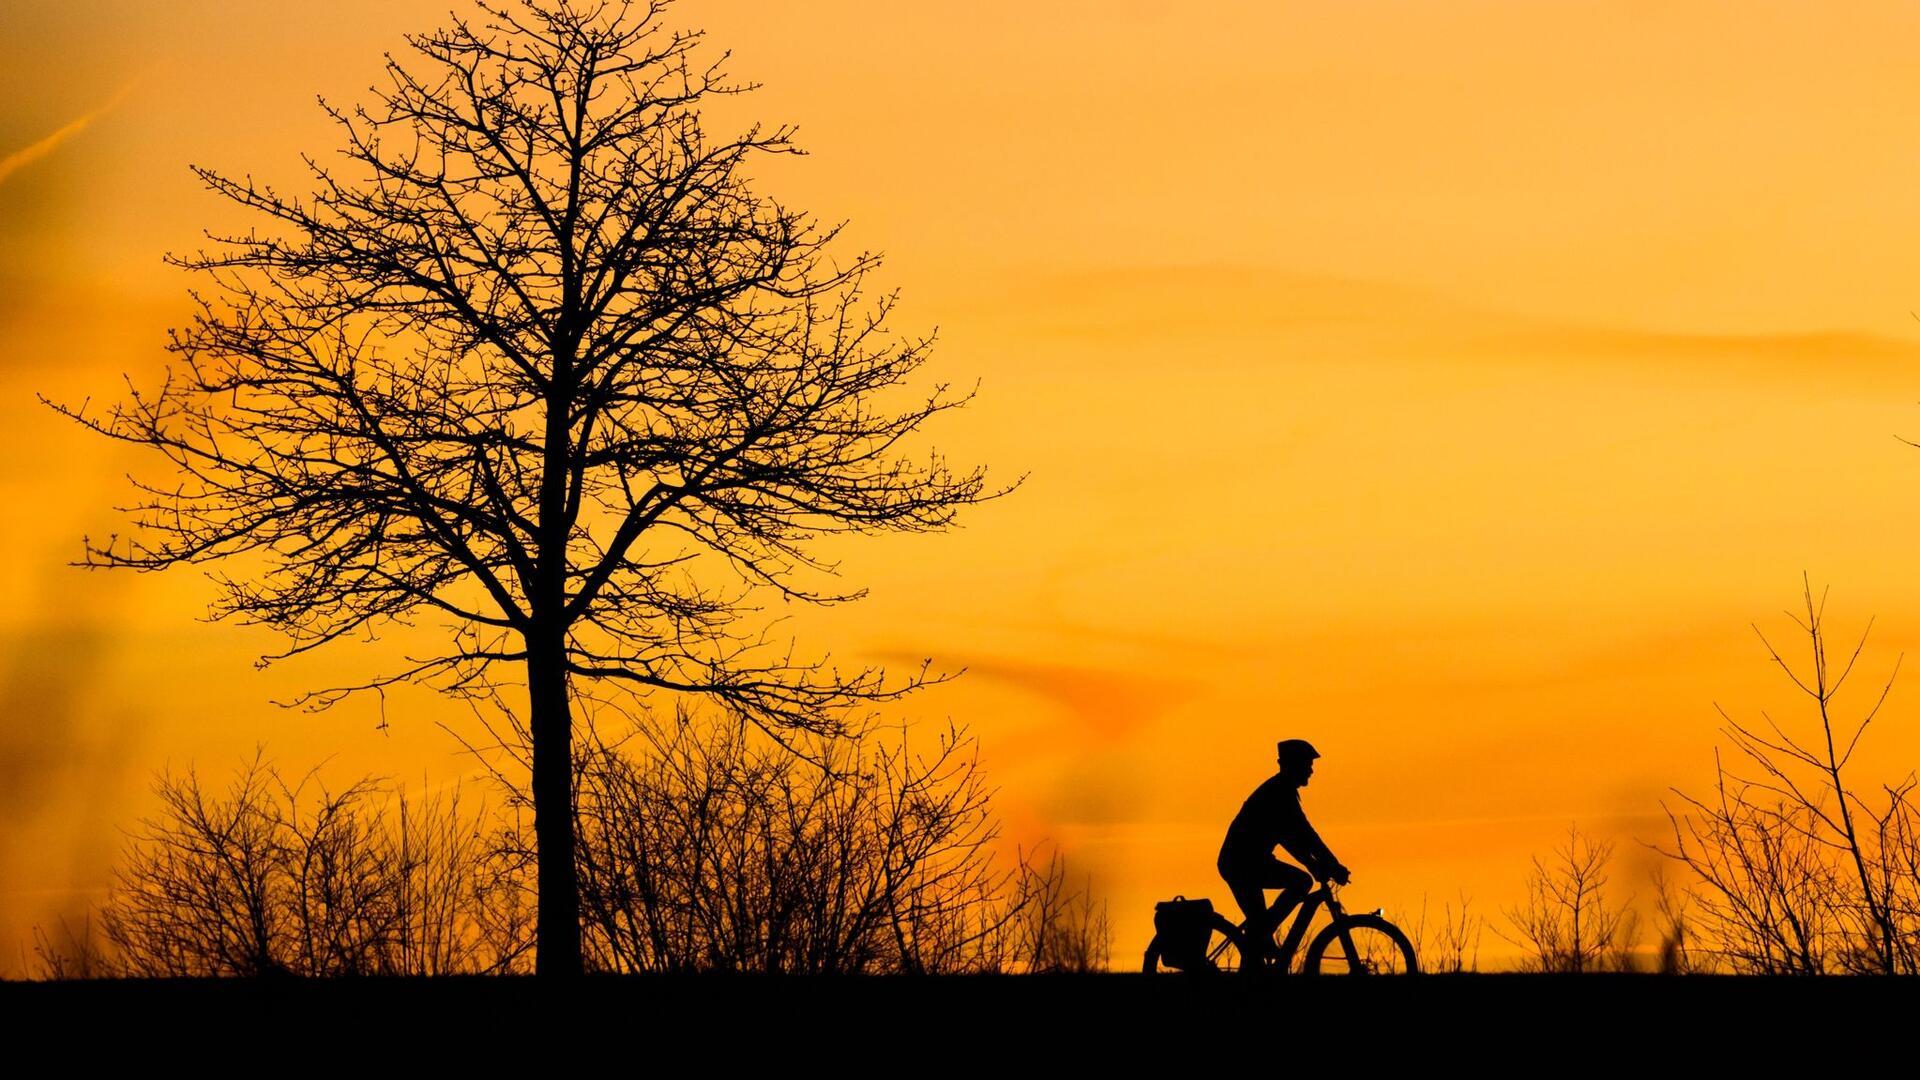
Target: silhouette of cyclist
[(1272, 816)]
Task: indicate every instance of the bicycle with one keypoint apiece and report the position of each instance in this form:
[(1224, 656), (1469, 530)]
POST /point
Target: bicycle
[(1363, 944)]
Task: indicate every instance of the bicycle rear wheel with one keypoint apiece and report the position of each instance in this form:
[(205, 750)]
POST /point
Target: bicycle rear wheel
[(1361, 945), (1225, 952)]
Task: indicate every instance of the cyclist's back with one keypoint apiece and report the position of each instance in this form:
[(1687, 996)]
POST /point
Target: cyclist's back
[(1271, 816)]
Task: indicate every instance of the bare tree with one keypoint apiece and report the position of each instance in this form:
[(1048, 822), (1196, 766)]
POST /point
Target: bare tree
[(1778, 755), (1794, 871), (1567, 922), (1762, 889), (538, 361)]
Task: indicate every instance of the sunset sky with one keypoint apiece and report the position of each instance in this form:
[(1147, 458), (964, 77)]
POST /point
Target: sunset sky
[(1449, 384)]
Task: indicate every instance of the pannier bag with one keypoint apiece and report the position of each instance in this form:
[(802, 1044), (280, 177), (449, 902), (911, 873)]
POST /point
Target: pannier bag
[(1183, 927)]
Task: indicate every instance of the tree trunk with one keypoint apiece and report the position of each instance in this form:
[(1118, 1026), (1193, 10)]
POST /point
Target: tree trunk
[(557, 931)]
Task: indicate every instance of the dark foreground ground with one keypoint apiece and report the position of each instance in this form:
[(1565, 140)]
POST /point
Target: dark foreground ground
[(1499, 1024)]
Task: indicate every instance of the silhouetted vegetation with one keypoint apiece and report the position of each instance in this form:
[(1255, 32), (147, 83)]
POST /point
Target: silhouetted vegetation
[(1447, 942), (1677, 954), (714, 851), (1568, 923), (1796, 868), (701, 849), (268, 877), (1057, 928), (533, 357)]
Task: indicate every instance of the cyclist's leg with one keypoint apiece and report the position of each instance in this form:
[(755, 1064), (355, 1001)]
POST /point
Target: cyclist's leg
[(1294, 885), (1252, 898)]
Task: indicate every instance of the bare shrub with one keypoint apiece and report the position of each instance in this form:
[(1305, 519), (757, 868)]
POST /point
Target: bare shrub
[(1793, 870), (704, 847), (1447, 942), (272, 878), (1676, 953), (1567, 923), (66, 953), (1060, 929)]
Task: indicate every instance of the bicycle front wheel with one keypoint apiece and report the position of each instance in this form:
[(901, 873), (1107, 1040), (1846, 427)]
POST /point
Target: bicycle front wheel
[(1361, 945), (1224, 953)]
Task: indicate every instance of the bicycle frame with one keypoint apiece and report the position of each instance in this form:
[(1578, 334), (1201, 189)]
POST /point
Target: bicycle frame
[(1282, 957)]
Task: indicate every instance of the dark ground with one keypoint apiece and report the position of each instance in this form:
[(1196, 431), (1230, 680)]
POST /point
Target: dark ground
[(1504, 1024)]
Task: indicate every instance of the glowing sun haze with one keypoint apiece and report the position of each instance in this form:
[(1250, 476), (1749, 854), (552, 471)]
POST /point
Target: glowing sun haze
[(1449, 384)]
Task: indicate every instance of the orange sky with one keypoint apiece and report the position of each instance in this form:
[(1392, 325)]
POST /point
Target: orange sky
[(1447, 383)]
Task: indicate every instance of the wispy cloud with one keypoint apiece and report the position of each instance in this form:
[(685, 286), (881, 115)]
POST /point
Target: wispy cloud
[(1798, 353), (1100, 705), (31, 153), (1195, 308)]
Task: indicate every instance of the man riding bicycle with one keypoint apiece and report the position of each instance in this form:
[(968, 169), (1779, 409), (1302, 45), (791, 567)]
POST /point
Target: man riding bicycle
[(1272, 816)]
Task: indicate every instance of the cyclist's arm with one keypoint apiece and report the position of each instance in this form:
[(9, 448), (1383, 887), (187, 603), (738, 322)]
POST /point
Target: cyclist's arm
[(1328, 862), (1304, 844), (1314, 856)]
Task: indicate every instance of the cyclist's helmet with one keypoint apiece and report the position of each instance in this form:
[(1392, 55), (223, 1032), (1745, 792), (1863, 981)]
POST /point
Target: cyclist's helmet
[(1295, 750)]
